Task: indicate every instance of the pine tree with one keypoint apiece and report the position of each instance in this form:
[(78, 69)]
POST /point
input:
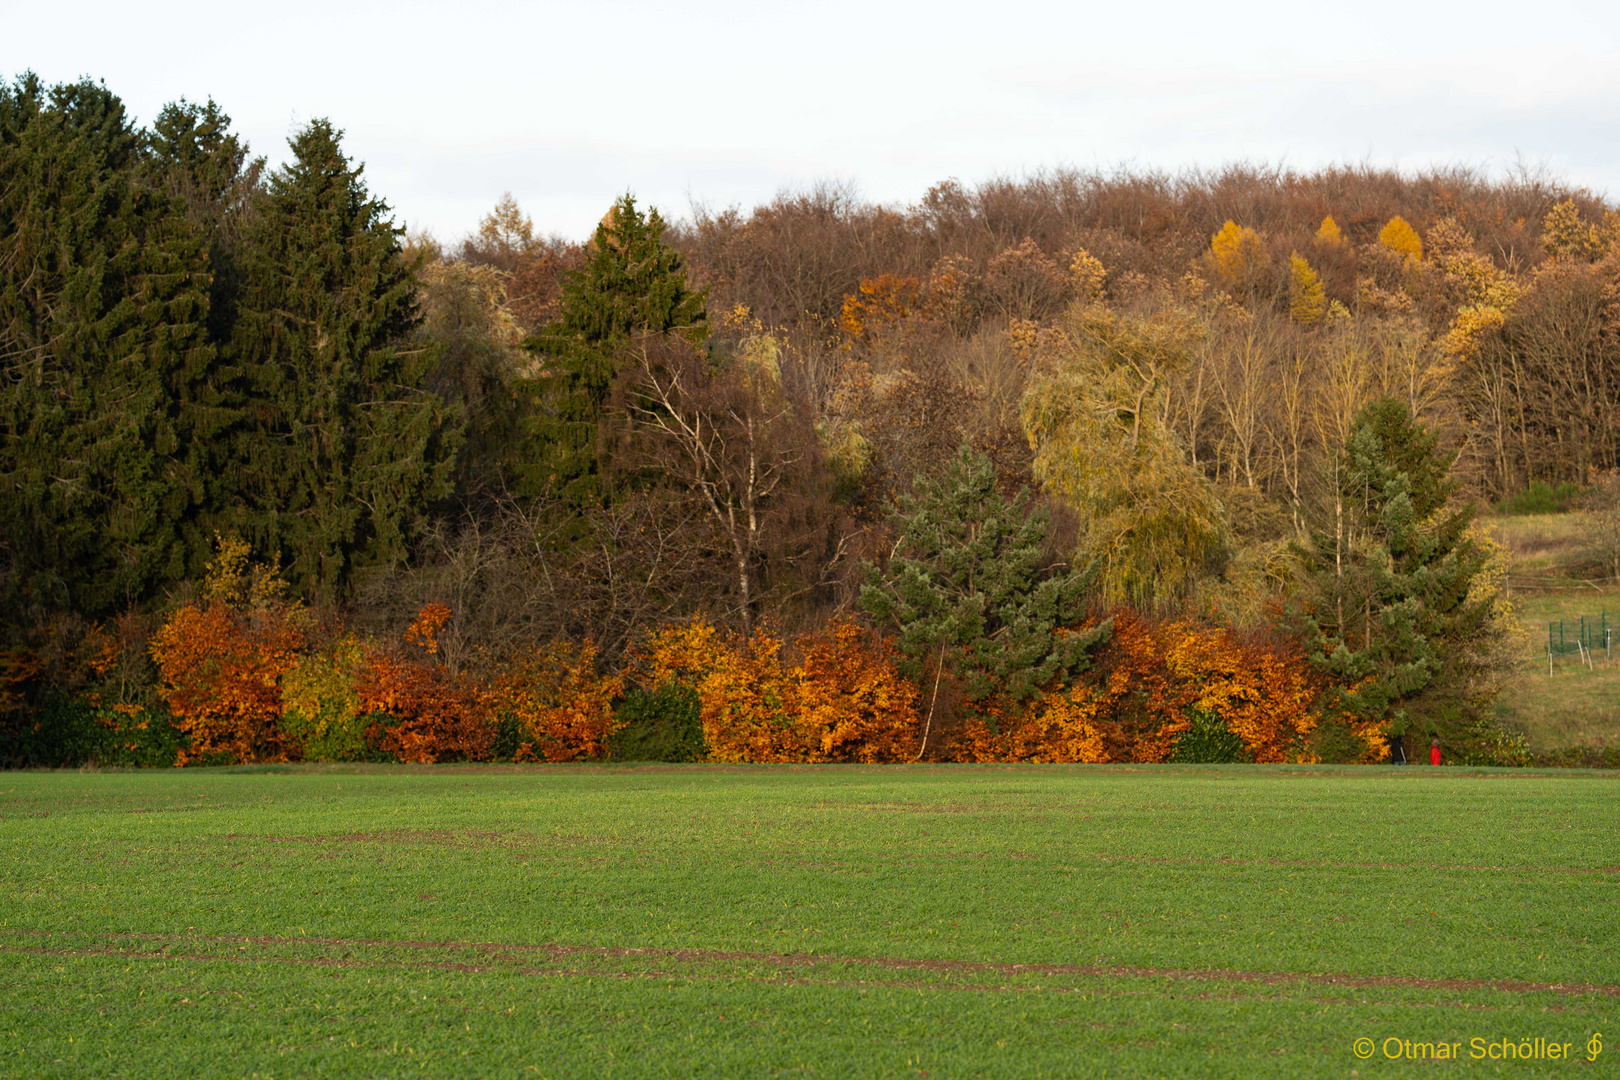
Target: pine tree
[(1394, 622), (632, 282), (965, 587), (103, 296), (340, 449)]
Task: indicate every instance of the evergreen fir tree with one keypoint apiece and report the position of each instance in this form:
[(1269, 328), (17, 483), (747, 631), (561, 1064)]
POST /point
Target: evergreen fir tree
[(632, 282), (965, 583), (1391, 614), (103, 296), (340, 449), (192, 154)]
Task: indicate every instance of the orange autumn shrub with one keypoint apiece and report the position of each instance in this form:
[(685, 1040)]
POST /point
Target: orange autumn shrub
[(848, 698), (741, 700), (1264, 692), (881, 301), (423, 714), (562, 706), (220, 663), (1059, 726), (831, 694), (738, 683), (1135, 703)]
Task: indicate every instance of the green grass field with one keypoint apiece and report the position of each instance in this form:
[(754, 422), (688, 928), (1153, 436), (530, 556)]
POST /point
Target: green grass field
[(1232, 921)]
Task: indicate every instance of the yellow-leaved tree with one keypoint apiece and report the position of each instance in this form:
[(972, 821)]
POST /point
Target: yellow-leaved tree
[(1094, 414), (1565, 235), (1088, 276), (1238, 257), (1307, 300), (1329, 233), (1401, 238), (320, 706)]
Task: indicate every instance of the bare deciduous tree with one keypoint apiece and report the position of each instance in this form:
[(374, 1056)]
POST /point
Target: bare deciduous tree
[(738, 442)]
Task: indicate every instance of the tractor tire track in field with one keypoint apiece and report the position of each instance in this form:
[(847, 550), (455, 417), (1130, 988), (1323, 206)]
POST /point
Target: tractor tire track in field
[(565, 849), (653, 963)]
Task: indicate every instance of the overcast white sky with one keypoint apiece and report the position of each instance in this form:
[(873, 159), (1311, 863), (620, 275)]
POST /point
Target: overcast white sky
[(568, 105)]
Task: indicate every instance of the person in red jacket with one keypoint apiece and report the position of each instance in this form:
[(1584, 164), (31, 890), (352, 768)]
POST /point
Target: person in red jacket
[(1434, 753)]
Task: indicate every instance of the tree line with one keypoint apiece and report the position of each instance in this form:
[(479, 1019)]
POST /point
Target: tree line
[(1014, 430)]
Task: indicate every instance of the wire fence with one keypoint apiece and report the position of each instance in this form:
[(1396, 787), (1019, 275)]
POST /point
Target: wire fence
[(1584, 637)]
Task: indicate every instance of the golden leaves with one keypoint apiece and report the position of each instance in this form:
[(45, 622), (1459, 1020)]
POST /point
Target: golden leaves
[(1087, 276), (1134, 703), (562, 706), (1238, 257), (424, 630), (1471, 325), (881, 301), (830, 694), (1401, 238), (1308, 301)]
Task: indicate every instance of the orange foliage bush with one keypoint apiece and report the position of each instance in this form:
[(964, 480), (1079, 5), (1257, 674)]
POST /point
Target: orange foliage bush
[(1134, 704), (837, 696), (220, 675), (431, 716), (882, 301), (424, 629), (848, 699), (563, 708), (1056, 727), (220, 663)]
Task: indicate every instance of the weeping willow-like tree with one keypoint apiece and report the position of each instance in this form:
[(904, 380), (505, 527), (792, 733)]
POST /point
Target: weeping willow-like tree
[(1095, 417)]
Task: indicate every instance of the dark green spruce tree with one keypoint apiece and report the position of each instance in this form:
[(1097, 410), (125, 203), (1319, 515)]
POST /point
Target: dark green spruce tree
[(965, 588), (103, 301), (632, 282), (339, 449), (193, 154), (1389, 613)]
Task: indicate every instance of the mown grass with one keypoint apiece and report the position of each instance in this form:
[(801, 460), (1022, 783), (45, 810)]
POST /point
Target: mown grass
[(1230, 921)]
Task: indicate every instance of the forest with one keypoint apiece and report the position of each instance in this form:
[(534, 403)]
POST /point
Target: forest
[(1072, 467)]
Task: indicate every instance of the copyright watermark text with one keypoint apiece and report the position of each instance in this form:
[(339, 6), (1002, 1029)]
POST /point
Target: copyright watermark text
[(1533, 1048)]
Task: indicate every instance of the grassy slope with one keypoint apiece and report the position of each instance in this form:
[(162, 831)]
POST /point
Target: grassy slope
[(1572, 706), (837, 921)]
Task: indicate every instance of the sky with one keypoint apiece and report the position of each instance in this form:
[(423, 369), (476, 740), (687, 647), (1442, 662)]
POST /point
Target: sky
[(568, 105)]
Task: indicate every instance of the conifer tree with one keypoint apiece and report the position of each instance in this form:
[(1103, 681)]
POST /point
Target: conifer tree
[(966, 584), (340, 449), (193, 154), (103, 296), (632, 282), (1394, 621)]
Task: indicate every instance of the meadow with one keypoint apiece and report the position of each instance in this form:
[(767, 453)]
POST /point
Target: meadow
[(1568, 705), (1221, 921)]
